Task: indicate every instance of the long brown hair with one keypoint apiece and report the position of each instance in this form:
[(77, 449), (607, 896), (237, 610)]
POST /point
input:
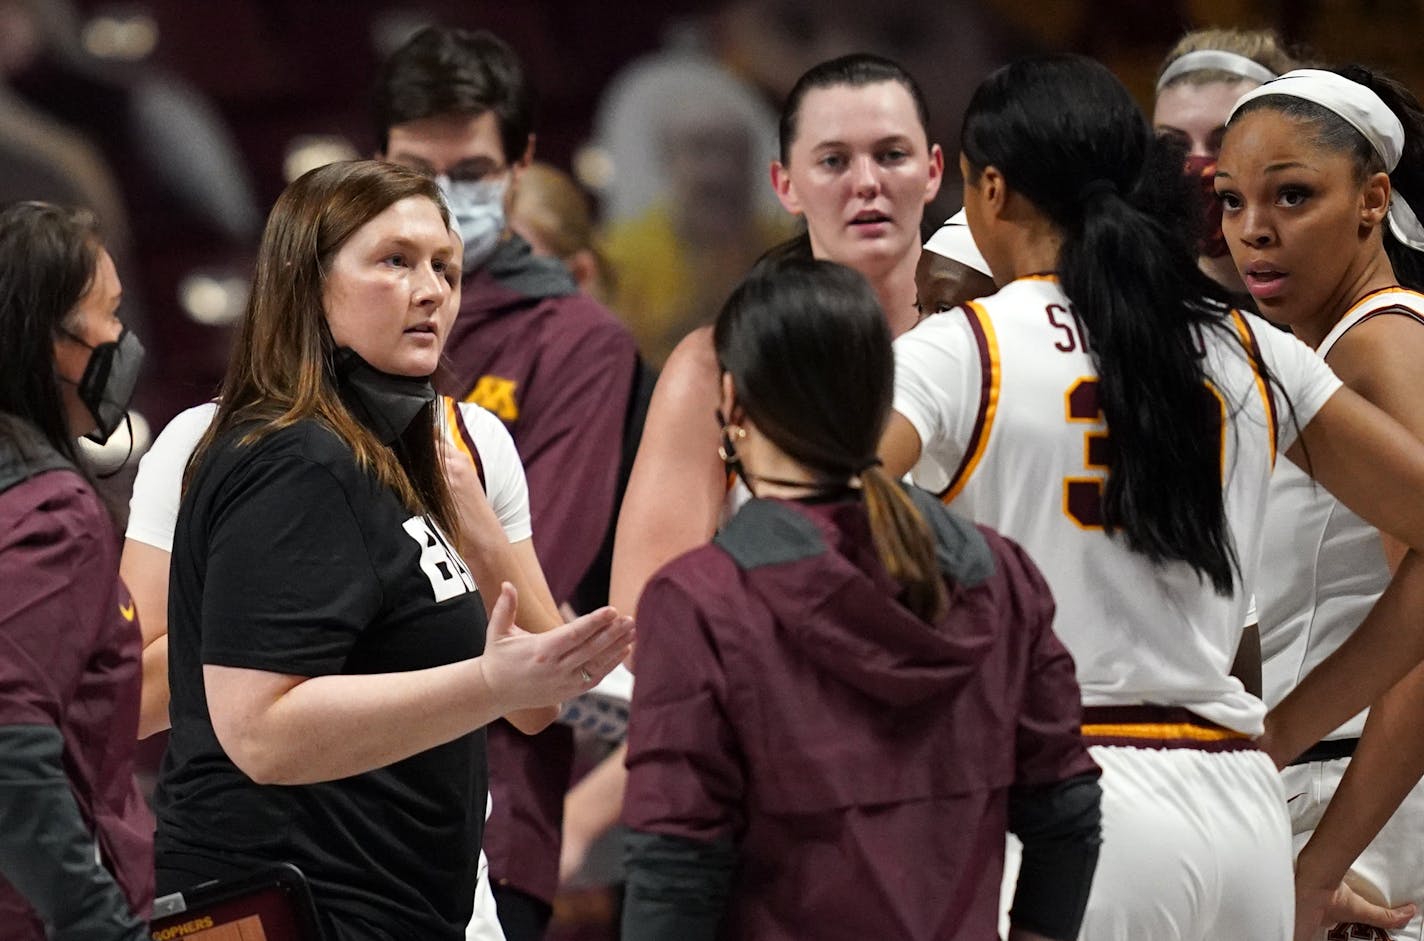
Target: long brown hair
[(281, 369), (808, 349)]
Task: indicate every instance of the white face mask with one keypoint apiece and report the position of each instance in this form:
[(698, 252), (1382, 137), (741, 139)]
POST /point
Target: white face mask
[(477, 210)]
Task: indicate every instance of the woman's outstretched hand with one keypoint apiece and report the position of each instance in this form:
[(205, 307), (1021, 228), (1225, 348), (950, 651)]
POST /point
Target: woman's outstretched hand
[(524, 670)]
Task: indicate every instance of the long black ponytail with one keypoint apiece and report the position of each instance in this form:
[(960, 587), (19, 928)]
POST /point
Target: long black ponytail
[(1067, 135)]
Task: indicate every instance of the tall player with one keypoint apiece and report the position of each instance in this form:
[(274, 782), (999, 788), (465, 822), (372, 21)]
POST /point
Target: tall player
[(857, 165), (1317, 175), (1104, 411)]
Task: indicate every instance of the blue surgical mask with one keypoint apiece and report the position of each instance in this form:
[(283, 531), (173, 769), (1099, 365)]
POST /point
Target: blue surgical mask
[(477, 210)]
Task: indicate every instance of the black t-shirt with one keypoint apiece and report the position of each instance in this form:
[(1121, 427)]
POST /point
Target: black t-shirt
[(288, 558)]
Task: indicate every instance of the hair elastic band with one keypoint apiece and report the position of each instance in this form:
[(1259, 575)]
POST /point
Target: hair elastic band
[(1362, 109), (1214, 60), (953, 241)]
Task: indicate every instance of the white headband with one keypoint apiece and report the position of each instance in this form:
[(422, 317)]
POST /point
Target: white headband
[(1214, 60), (953, 241), (1367, 113)]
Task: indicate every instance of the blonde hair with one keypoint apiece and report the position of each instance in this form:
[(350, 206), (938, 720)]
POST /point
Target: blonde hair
[(1261, 46)]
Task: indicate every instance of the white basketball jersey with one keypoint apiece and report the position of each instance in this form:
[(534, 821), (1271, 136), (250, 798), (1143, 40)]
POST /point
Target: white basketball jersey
[(1324, 567), (1003, 393)]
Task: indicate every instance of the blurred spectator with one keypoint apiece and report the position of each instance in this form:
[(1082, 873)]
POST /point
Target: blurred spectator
[(39, 157), (172, 149), (948, 46), (552, 214), (688, 145)]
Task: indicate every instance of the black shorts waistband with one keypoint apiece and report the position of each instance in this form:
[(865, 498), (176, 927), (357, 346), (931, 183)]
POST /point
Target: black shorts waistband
[(1327, 751)]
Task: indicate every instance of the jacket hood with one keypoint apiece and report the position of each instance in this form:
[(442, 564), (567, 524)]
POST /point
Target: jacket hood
[(816, 569), (24, 453)]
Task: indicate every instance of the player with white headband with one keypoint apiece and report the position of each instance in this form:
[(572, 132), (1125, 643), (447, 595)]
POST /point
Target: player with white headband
[(1200, 79), (1315, 177), (951, 269)]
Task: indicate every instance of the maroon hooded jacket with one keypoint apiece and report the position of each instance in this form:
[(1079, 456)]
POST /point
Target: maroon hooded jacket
[(77, 837), (858, 759)]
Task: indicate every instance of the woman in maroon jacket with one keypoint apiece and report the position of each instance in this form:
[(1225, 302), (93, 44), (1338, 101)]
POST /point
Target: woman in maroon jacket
[(76, 841), (850, 694)]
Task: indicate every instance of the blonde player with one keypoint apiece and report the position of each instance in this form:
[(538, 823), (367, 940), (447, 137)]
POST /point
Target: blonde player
[(1104, 411), (1200, 79), (1317, 175)]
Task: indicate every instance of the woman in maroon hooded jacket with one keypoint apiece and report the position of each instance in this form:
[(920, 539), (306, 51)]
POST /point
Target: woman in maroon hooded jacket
[(851, 694), (76, 840)]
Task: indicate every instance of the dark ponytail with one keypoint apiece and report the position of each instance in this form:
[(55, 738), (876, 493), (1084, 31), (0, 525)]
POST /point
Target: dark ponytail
[(904, 544), (808, 350), (1067, 135)]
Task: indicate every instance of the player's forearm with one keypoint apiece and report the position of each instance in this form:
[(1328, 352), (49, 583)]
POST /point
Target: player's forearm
[(153, 702), (331, 727), (1387, 645), (1387, 764), (593, 805), (533, 721)]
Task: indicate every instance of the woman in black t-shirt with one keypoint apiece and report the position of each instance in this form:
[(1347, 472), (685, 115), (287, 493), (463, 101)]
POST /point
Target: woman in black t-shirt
[(324, 631)]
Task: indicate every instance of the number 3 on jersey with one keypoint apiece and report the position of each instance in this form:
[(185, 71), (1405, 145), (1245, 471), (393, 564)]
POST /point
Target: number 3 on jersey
[(1083, 496)]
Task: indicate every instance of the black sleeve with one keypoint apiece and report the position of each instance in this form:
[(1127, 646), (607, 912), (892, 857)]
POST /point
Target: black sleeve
[(1061, 829), (289, 584), (46, 851), (676, 888)]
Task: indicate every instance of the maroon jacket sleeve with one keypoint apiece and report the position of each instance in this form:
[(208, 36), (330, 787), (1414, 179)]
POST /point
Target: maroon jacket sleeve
[(53, 593), (1049, 744), (572, 446), (686, 774), (57, 589)]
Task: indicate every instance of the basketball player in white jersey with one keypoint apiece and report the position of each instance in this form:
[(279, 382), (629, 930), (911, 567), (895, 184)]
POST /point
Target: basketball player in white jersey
[(1318, 174), (1105, 410)]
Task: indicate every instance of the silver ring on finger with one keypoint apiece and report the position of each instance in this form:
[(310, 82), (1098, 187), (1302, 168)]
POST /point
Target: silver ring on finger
[(585, 675)]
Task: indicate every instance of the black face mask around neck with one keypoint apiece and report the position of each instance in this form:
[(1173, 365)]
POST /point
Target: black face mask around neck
[(385, 403)]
